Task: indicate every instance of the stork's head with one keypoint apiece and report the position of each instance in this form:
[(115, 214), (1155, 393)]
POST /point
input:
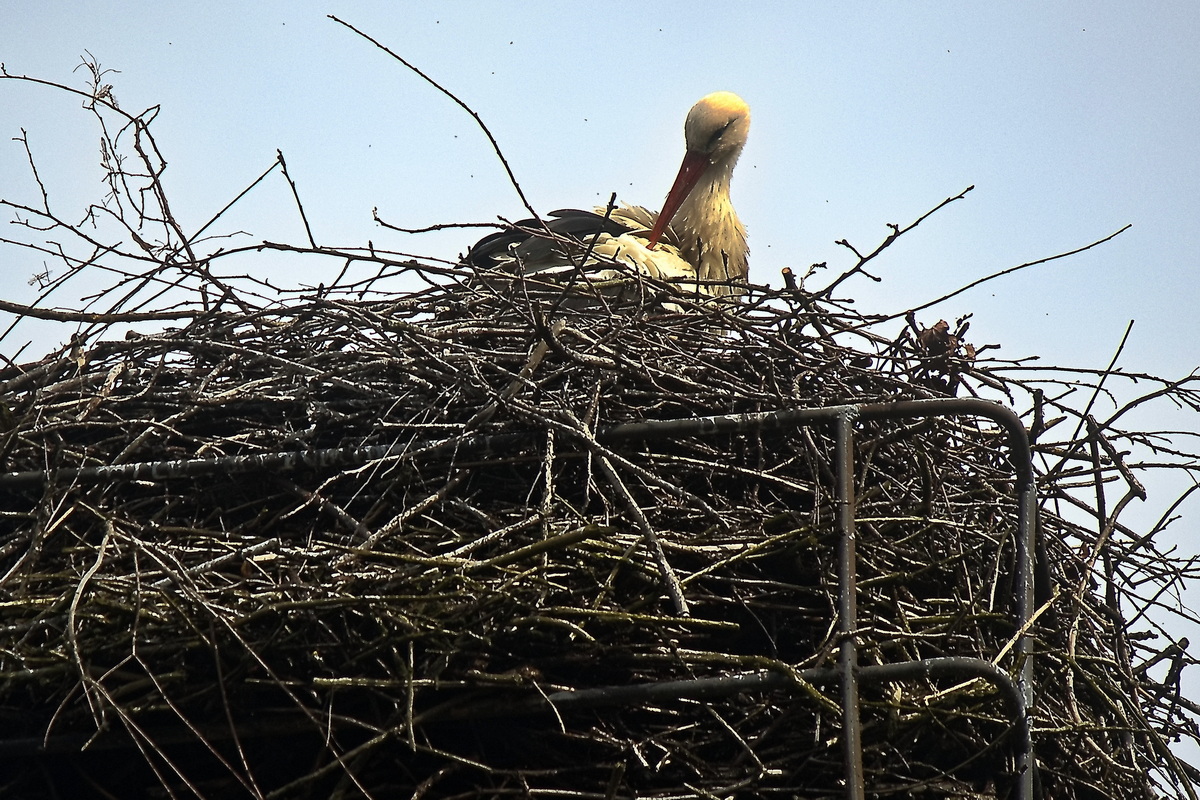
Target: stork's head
[(717, 127), (715, 132)]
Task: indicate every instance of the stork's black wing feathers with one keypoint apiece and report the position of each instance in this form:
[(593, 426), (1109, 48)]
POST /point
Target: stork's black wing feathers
[(530, 239)]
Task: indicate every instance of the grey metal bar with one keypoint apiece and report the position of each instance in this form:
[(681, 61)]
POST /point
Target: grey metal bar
[(959, 667), (848, 603), (694, 426), (1027, 530), (582, 699)]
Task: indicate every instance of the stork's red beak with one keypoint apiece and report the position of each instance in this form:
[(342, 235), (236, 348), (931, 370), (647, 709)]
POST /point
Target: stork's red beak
[(690, 171)]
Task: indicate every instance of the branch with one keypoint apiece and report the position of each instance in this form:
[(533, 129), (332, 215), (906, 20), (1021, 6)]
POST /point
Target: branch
[(1003, 272), (897, 232), (93, 317), (478, 120)]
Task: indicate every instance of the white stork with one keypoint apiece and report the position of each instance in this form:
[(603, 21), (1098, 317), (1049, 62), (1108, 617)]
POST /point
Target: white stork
[(695, 240)]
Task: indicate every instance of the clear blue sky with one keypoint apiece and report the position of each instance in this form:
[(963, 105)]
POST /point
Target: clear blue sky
[(1072, 119)]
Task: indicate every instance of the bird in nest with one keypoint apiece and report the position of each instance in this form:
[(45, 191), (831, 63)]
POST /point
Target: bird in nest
[(696, 243)]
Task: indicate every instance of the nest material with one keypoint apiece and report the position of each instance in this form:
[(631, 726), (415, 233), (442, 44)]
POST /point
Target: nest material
[(335, 543), (393, 621)]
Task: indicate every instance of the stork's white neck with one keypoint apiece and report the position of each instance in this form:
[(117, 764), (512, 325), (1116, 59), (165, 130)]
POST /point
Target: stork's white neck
[(710, 233)]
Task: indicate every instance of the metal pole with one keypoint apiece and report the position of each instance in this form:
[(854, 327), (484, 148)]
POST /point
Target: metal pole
[(848, 602)]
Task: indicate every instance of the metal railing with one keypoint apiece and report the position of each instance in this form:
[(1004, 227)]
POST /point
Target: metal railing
[(1017, 694)]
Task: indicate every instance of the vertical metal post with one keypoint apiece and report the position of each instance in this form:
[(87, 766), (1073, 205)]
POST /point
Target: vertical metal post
[(847, 602), (1026, 538)]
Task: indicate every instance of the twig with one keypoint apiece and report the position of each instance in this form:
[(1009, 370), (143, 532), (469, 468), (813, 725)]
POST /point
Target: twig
[(296, 195), (896, 233), (1009, 271), (670, 581), (512, 178)]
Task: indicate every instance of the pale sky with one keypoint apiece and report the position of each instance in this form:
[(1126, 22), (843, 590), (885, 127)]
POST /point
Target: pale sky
[(1070, 122), (1071, 119)]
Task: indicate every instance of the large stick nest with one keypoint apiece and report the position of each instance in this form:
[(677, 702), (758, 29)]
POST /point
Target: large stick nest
[(345, 544)]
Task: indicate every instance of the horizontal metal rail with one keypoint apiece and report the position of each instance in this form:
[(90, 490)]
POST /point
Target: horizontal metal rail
[(330, 457), (285, 724), (957, 667)]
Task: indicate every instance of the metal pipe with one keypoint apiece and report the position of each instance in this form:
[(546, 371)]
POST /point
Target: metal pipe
[(497, 443), (848, 603), (708, 688), (601, 697)]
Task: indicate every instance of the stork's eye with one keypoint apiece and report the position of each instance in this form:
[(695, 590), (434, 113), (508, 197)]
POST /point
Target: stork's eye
[(717, 134)]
